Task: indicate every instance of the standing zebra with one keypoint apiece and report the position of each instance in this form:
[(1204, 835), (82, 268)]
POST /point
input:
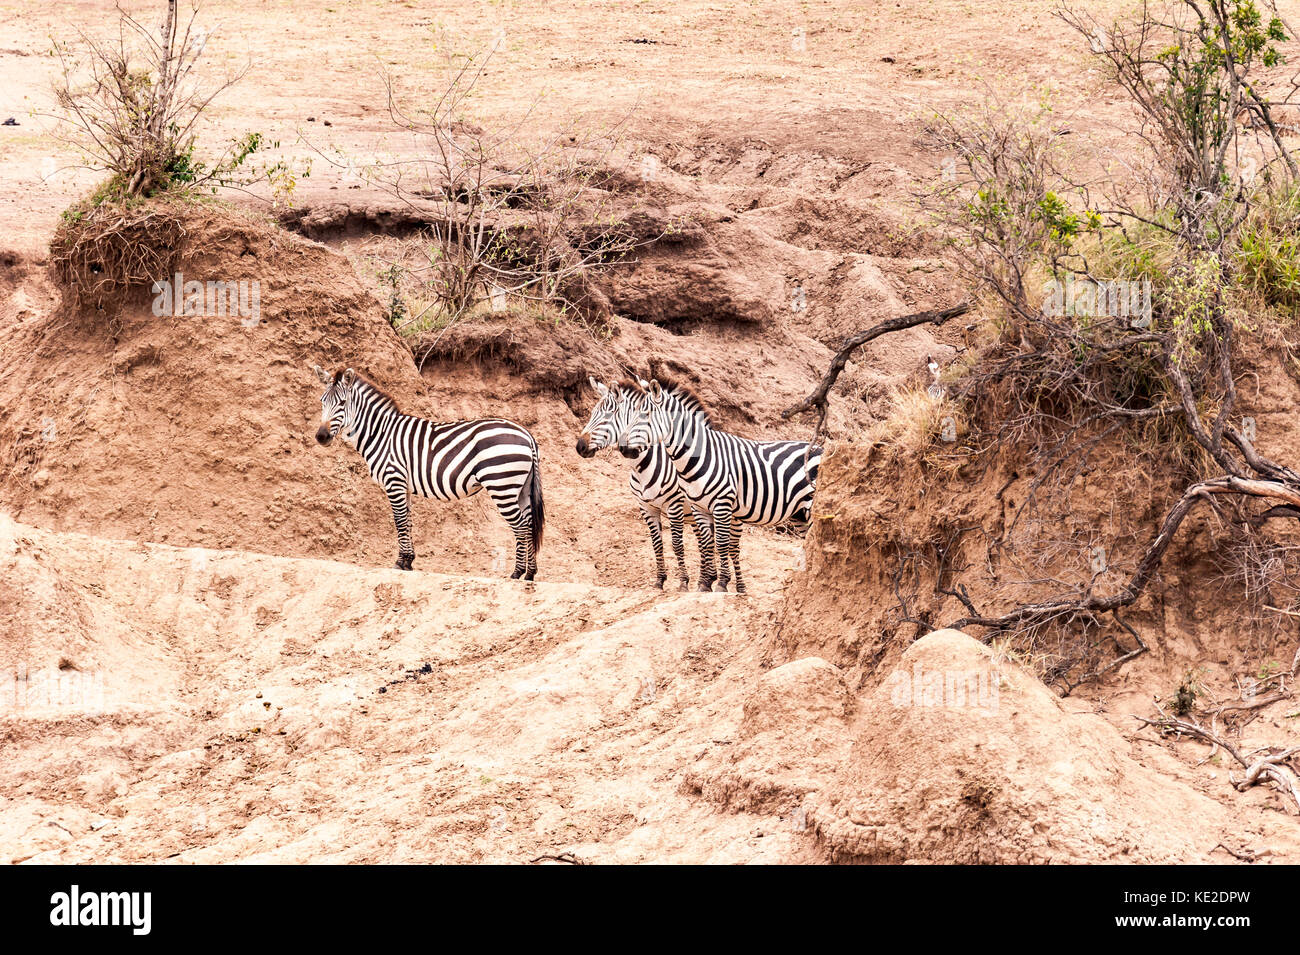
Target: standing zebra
[(444, 460), (654, 485), (737, 480)]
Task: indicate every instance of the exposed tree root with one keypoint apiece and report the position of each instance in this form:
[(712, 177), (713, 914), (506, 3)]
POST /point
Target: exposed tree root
[(1268, 767), (1030, 614), (1245, 855)]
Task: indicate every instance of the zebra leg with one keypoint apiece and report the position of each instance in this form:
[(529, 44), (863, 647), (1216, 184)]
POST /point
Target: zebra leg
[(506, 501), (525, 553), (735, 555), (679, 547), (399, 499), (722, 525), (704, 538), (522, 557), (530, 553), (655, 523)]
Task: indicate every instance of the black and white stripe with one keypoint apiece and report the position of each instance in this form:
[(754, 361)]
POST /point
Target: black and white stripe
[(738, 481), (655, 487), (444, 460)]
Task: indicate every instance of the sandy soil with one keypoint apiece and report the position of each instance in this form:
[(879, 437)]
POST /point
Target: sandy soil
[(841, 79), (242, 677)]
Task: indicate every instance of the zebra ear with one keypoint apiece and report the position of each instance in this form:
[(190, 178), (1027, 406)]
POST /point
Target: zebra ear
[(599, 388), (349, 376), (656, 392), (322, 374)]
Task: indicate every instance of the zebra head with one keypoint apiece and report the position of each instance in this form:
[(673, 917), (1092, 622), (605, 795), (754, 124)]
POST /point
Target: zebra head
[(649, 414), (665, 414), (608, 419), (334, 403), (600, 431)]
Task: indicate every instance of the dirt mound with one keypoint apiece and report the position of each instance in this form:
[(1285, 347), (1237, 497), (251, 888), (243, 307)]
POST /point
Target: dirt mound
[(863, 542), (957, 755), (196, 429), (963, 758), (883, 568), (793, 733)]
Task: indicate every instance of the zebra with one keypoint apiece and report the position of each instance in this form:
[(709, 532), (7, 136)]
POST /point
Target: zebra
[(654, 485), (444, 460), (738, 481)]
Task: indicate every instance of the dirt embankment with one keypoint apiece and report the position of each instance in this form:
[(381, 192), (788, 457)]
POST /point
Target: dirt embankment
[(198, 430), (587, 715)]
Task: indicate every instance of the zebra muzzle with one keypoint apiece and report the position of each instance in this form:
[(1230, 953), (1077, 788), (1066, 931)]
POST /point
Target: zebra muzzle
[(323, 436), (584, 447)]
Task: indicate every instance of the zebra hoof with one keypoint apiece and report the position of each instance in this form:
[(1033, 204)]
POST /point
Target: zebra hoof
[(405, 563), (706, 586), (684, 586)]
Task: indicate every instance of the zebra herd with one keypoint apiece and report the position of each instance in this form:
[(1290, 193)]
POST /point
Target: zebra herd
[(683, 468)]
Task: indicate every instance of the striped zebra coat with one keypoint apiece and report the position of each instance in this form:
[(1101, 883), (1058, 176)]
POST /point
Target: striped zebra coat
[(738, 481), (655, 487), (445, 460)]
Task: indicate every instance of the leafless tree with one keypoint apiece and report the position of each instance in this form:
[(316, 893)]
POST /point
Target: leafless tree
[(511, 213), (132, 105)]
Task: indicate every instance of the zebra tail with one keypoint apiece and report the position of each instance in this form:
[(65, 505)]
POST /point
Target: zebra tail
[(535, 500)]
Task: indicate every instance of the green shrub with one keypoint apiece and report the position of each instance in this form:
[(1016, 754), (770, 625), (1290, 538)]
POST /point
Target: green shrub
[(1268, 253)]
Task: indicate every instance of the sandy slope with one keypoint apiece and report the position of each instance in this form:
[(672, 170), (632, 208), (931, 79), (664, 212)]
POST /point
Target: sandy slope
[(217, 706), (263, 708)]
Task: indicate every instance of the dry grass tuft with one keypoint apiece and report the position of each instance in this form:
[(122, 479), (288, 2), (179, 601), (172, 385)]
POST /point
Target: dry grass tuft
[(916, 421)]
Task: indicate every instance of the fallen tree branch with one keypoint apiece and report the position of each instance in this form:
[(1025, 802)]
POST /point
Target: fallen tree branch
[(1266, 767), (818, 398), (1253, 705), (1245, 855)]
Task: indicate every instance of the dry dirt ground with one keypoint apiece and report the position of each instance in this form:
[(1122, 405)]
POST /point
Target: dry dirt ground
[(205, 658)]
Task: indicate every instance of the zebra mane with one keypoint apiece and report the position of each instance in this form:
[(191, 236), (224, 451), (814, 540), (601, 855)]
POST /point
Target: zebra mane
[(687, 397), (369, 383)]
